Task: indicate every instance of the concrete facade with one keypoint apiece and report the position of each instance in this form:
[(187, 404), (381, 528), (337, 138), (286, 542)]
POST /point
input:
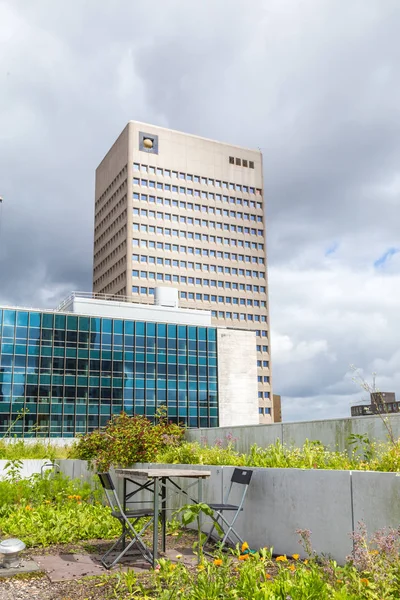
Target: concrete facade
[(237, 377), (188, 212)]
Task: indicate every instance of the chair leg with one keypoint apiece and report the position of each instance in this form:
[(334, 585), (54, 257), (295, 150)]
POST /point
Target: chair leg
[(136, 538)]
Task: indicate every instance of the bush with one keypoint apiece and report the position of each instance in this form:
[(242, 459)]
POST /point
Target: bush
[(127, 440)]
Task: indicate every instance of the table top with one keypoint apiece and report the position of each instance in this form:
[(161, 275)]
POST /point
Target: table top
[(155, 473)]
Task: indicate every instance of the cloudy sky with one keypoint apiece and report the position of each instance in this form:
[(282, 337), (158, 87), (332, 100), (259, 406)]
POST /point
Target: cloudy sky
[(314, 83)]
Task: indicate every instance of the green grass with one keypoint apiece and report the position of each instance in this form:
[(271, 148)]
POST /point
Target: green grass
[(366, 456), (19, 449)]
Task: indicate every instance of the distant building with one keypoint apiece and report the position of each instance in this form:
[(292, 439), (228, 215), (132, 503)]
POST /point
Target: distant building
[(381, 402), (175, 209), (277, 409), (65, 372)]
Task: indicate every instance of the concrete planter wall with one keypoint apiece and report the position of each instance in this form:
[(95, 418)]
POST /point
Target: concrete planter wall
[(280, 501), (333, 433), (29, 467)]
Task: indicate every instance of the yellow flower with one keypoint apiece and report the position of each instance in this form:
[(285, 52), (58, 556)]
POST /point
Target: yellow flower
[(292, 567), (70, 497), (79, 502), (47, 501), (201, 567), (306, 561), (267, 576), (364, 580), (374, 552), (172, 567), (218, 562), (179, 556), (281, 558), (296, 556), (245, 546), (28, 507), (243, 557)]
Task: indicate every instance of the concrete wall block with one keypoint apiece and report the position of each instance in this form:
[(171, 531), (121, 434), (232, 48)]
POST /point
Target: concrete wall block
[(242, 436), (280, 501), (29, 467), (376, 500)]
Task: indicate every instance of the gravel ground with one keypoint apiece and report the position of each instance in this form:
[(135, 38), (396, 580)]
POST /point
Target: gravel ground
[(37, 586)]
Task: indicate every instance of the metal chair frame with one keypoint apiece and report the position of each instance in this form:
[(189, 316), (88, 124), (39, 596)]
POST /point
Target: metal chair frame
[(128, 528), (239, 477)]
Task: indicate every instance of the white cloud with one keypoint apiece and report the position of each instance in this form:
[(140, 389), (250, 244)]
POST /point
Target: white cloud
[(314, 83)]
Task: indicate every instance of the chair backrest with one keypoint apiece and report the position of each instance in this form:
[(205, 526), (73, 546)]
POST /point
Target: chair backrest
[(106, 481), (110, 491), (241, 476)]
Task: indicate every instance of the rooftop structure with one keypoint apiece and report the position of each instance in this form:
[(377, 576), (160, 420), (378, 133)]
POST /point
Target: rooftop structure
[(67, 371)]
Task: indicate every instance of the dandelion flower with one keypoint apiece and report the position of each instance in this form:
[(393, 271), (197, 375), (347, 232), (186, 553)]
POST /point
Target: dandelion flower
[(243, 557), (218, 562), (281, 558), (179, 556), (201, 567), (296, 556), (245, 546), (292, 567), (364, 580)]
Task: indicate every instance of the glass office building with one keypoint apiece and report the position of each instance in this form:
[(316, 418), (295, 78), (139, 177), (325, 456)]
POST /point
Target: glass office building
[(67, 374)]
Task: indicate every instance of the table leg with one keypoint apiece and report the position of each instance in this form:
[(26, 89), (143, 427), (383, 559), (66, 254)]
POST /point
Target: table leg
[(200, 500), (123, 524), (156, 515), (164, 511)]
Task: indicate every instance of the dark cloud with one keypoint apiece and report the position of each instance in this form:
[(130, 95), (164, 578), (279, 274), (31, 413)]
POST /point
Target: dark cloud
[(313, 83)]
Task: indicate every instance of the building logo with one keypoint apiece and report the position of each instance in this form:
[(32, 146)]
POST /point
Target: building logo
[(148, 142)]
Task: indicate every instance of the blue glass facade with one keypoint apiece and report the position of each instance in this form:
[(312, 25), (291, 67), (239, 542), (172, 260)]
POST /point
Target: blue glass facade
[(68, 374)]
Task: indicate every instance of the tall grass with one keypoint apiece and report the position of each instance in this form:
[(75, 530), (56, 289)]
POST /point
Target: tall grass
[(19, 449)]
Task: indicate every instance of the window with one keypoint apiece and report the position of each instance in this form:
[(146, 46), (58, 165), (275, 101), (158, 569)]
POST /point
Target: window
[(251, 164), (231, 160), (238, 162), (244, 162)]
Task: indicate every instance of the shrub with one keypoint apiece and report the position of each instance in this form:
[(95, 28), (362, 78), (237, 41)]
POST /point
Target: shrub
[(127, 440)]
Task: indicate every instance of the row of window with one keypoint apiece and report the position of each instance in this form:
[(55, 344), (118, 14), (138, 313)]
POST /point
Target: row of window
[(225, 300), (15, 319), (241, 162), (263, 394), (200, 251), (195, 179), (70, 426), (168, 278), (197, 280), (264, 410), (196, 207), (212, 268), (152, 214), (191, 236)]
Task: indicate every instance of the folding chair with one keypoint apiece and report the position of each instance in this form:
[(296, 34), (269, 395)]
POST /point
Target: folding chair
[(240, 477), (128, 527)]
